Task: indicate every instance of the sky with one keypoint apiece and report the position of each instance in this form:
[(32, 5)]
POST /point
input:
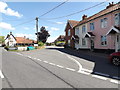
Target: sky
[(19, 17)]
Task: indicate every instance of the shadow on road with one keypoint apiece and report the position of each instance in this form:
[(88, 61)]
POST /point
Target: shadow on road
[(102, 64)]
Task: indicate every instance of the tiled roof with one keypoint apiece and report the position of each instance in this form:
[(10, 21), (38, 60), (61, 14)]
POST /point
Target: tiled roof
[(73, 22), (23, 40), (103, 12)]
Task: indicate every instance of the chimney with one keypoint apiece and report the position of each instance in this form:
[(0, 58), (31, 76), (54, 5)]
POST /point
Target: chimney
[(84, 17), (25, 37), (10, 33), (110, 5)]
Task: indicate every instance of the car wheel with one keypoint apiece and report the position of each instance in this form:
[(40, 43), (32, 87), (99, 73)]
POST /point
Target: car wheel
[(116, 61)]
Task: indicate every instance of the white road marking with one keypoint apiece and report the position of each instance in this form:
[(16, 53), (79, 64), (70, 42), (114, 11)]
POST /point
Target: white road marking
[(100, 77), (102, 74), (115, 81), (45, 61), (1, 75), (52, 64), (60, 66), (70, 69), (86, 73), (60, 52), (34, 58), (87, 70), (80, 66), (29, 57), (81, 70), (39, 60)]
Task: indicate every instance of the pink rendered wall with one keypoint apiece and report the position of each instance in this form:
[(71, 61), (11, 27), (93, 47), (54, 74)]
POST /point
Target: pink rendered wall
[(98, 31)]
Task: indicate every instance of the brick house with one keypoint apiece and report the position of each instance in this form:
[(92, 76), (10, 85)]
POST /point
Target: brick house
[(101, 31), (60, 38), (70, 33)]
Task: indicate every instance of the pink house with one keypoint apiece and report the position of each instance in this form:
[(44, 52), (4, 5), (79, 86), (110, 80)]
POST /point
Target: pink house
[(103, 29)]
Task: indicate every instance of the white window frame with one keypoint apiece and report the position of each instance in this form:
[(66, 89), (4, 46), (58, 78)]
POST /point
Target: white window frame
[(77, 31), (92, 26), (117, 19), (83, 29), (104, 22), (69, 33), (103, 40), (84, 43)]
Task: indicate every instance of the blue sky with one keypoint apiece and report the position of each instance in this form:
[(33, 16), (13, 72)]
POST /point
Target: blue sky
[(14, 13)]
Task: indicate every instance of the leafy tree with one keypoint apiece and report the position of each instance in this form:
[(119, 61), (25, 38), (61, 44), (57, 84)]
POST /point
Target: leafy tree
[(43, 35), (2, 39)]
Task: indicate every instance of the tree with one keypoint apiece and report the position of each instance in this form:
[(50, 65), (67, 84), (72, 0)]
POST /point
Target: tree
[(1, 39), (43, 35)]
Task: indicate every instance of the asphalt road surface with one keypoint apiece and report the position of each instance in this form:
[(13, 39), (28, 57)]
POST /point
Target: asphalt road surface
[(52, 67)]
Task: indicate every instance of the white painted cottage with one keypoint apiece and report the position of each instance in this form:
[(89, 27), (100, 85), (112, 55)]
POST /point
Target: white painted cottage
[(10, 40)]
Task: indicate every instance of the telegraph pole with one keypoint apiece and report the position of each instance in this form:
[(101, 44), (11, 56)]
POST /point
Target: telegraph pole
[(37, 27)]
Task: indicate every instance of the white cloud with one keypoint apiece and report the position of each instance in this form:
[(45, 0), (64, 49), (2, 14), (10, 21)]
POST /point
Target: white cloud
[(46, 27), (31, 36), (26, 28), (51, 39), (60, 23), (8, 11), (54, 29), (6, 26)]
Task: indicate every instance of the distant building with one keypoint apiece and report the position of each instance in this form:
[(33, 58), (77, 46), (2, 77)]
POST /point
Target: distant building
[(13, 41), (60, 38), (70, 33)]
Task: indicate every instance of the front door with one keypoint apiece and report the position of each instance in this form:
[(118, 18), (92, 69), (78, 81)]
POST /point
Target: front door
[(117, 42), (92, 44)]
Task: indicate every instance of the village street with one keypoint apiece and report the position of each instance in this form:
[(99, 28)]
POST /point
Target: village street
[(55, 67)]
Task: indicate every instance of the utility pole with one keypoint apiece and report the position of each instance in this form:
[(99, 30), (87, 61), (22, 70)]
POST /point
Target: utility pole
[(37, 28)]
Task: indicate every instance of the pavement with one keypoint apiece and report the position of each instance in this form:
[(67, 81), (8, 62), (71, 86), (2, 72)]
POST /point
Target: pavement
[(54, 67)]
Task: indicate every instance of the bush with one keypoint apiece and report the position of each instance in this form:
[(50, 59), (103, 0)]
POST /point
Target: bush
[(40, 43)]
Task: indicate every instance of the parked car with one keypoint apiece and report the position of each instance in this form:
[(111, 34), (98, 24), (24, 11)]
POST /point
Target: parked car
[(115, 58), (11, 48)]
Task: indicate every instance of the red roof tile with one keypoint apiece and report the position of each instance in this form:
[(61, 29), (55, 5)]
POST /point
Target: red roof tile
[(24, 40), (103, 12)]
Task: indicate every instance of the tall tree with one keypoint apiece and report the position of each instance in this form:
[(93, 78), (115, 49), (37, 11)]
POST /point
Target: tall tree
[(43, 34)]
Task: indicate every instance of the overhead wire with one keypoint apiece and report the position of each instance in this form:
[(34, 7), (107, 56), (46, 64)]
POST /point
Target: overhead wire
[(44, 13), (76, 12)]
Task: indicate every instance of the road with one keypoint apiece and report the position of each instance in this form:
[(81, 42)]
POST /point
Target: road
[(51, 67)]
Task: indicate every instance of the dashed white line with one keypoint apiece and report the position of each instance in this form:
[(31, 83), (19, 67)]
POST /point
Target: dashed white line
[(45, 61), (52, 64), (70, 69), (1, 75), (60, 66), (81, 70), (39, 60), (35, 58), (29, 57), (100, 77)]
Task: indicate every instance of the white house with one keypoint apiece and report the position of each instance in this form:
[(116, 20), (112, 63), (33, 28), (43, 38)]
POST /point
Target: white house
[(10, 40), (80, 31)]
